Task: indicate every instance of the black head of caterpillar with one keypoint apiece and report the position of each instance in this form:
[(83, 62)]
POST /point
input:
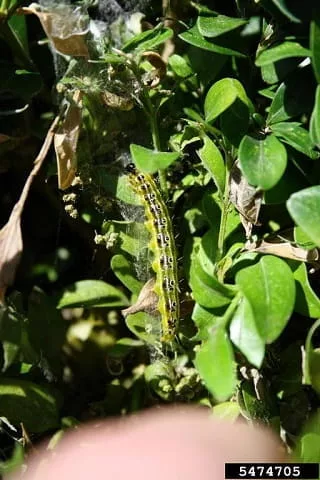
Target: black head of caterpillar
[(131, 168)]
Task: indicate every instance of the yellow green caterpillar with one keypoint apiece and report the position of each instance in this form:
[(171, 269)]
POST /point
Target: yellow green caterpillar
[(162, 245)]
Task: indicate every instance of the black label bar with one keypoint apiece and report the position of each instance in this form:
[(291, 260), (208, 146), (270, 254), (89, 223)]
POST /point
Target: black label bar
[(272, 470)]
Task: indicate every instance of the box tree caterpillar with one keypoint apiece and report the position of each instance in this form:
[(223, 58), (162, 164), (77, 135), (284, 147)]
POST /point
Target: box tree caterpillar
[(162, 245)]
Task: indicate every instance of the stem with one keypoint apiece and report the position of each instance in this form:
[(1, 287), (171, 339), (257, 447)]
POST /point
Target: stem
[(223, 218), (152, 113), (230, 310), (157, 147)]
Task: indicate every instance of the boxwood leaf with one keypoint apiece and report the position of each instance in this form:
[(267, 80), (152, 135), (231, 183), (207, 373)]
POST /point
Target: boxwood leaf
[(229, 411), (206, 289), (90, 293), (307, 302), (145, 327), (194, 37), (278, 111), (311, 365), (212, 160), (204, 320), (308, 446), (296, 136), (212, 25), (124, 270), (150, 161), (281, 4), (222, 95), (270, 289), (36, 406), (280, 52), (180, 66), (315, 45), (262, 162), (215, 364), (315, 119), (304, 208), (244, 334), (148, 40)]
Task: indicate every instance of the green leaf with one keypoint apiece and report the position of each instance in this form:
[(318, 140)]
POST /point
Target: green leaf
[(311, 367), (212, 25), (278, 110), (234, 122), (206, 289), (204, 319), (145, 327), (180, 66), (281, 4), (148, 40), (88, 293), (227, 411), (315, 119), (262, 162), (15, 461), (222, 95), (213, 162), (215, 364), (280, 52), (18, 25), (194, 37), (116, 185), (315, 45), (270, 289), (296, 136), (36, 406), (308, 446), (124, 270), (244, 334), (150, 161), (301, 239), (304, 208), (307, 302)]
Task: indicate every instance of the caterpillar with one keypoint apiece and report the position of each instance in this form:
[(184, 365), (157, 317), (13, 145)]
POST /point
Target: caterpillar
[(162, 245)]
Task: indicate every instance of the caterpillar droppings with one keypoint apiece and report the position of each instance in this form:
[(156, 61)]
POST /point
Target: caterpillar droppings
[(162, 245)]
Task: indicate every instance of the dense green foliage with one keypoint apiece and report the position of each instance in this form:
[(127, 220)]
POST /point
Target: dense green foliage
[(222, 104)]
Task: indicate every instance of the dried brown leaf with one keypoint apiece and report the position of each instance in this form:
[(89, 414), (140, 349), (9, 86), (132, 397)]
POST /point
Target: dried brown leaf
[(116, 101), (66, 142), (245, 198), (278, 246), (65, 26), (159, 71), (146, 302), (11, 250), (11, 244)]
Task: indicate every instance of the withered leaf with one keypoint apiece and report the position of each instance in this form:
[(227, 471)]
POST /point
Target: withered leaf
[(11, 250), (159, 71), (65, 26), (118, 102), (245, 198), (277, 245), (147, 301), (11, 244), (66, 142)]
